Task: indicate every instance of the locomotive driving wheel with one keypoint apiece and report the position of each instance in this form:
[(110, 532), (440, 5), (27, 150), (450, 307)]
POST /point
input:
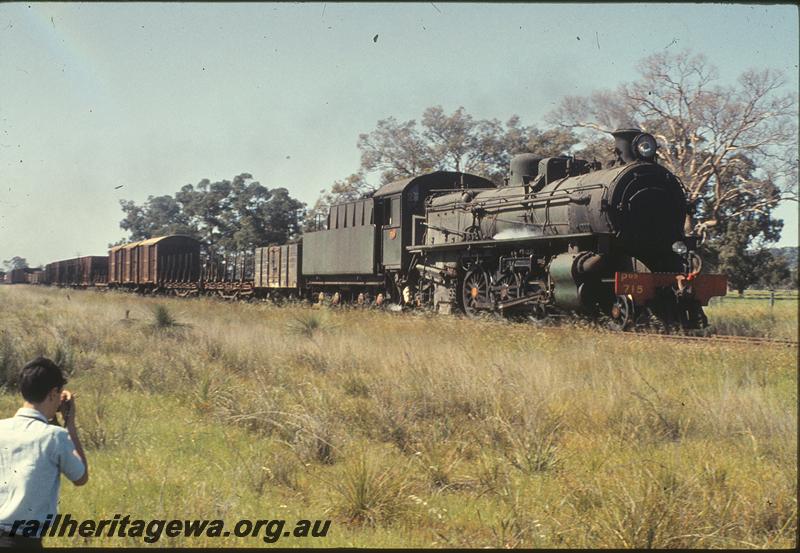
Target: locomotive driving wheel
[(507, 287), (621, 313), (475, 291)]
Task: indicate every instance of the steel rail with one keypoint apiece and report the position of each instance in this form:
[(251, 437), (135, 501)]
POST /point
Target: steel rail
[(720, 338)]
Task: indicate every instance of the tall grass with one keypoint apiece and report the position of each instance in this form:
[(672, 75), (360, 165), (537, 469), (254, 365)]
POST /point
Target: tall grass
[(163, 317), (417, 431), (371, 489), (754, 317)]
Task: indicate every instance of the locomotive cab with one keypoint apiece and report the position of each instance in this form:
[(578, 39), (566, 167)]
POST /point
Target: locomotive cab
[(372, 257), (402, 206)]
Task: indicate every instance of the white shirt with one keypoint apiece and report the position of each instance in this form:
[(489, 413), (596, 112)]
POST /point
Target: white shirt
[(33, 454)]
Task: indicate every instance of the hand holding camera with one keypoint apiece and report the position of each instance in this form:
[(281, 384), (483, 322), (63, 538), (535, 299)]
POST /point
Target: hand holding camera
[(67, 407)]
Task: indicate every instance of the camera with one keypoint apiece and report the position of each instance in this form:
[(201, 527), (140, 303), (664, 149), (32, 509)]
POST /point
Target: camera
[(65, 408)]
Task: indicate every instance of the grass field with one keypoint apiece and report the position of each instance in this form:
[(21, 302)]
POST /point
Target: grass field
[(752, 315), (417, 431)]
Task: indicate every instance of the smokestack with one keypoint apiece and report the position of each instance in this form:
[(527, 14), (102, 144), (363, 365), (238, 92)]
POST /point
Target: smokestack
[(622, 143)]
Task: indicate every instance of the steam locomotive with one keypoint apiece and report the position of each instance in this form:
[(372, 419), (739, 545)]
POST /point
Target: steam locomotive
[(561, 235)]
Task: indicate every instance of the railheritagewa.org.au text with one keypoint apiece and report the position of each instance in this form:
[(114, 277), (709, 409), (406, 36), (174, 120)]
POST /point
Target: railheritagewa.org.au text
[(151, 531)]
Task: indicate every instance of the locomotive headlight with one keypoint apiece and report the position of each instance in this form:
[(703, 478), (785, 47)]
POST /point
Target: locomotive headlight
[(645, 146), (679, 248)]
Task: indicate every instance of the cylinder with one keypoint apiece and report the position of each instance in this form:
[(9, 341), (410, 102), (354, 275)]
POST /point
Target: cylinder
[(566, 291), (569, 272)]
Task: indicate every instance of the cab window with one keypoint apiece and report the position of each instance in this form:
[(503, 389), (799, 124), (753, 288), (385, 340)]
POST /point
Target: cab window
[(395, 218), (387, 212)]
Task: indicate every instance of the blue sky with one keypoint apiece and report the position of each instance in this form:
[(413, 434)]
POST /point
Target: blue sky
[(149, 97)]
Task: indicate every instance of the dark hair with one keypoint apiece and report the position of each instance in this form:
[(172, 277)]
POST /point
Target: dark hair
[(38, 377)]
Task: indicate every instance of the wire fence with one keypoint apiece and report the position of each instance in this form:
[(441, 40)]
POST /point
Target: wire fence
[(763, 295)]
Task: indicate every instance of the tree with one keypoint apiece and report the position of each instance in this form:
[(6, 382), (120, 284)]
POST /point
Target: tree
[(345, 190), (455, 142), (517, 138), (775, 273), (158, 216), (278, 221), (741, 265), (746, 268), (15, 262), (706, 131), (738, 248), (396, 149), (227, 216), (786, 256)]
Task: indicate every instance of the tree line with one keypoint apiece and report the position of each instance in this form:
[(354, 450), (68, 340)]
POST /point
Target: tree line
[(226, 216), (734, 147)]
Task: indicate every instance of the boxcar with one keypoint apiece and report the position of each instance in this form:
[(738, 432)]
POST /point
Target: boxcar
[(34, 276), (277, 267), (17, 276), (89, 270), (165, 261)]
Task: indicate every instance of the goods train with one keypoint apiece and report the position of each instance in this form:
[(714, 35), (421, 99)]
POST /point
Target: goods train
[(23, 276), (560, 235)]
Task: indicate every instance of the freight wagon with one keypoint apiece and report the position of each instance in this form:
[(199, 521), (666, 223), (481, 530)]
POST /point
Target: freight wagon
[(164, 262), (90, 270), (22, 276), (34, 276), (17, 276)]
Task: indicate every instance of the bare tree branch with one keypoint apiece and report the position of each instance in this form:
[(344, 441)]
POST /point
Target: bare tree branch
[(704, 129)]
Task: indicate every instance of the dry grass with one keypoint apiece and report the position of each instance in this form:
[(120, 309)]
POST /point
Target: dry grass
[(754, 317), (416, 431)]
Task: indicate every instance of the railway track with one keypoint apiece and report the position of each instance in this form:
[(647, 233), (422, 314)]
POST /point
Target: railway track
[(647, 333), (722, 339)]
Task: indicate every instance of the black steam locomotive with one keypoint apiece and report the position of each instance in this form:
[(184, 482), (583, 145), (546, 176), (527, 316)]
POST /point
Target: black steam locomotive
[(561, 235)]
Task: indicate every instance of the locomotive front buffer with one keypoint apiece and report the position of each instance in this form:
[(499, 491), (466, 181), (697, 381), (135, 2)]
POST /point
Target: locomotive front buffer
[(676, 293)]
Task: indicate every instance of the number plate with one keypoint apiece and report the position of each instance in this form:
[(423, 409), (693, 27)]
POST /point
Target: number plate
[(642, 286)]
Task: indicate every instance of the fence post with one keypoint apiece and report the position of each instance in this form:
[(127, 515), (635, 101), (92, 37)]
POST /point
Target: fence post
[(772, 298)]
